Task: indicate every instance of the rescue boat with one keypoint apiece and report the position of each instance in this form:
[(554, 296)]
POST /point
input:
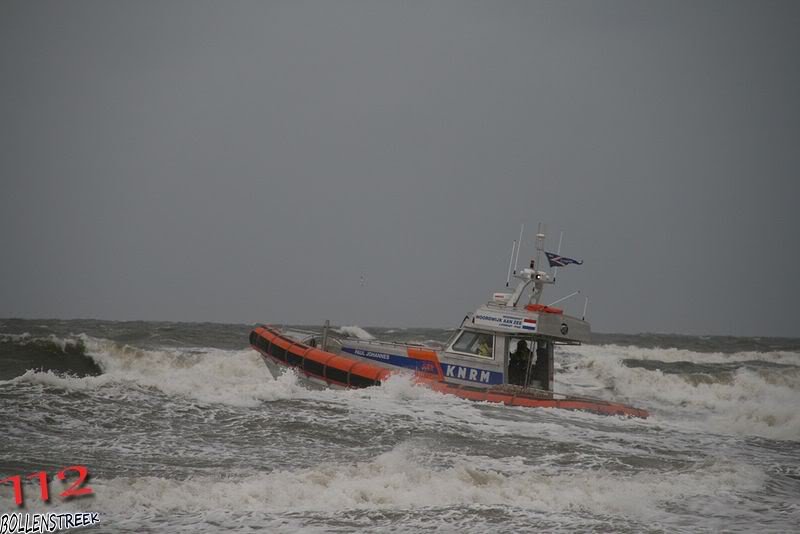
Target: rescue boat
[(503, 352)]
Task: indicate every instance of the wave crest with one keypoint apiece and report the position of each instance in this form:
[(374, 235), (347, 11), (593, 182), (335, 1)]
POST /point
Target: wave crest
[(233, 377), (743, 400), (354, 331), (405, 478), (70, 345)]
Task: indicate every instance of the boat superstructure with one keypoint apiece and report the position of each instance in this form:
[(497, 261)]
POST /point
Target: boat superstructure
[(502, 352)]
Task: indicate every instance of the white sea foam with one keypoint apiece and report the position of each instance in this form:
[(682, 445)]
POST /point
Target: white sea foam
[(746, 401), (759, 402), (405, 478), (18, 338), (233, 377), (354, 331), (683, 355)]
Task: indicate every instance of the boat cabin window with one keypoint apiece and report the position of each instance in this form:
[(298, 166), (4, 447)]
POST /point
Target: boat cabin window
[(475, 343)]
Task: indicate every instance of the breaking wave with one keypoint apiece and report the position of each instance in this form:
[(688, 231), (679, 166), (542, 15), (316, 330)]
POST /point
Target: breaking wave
[(405, 478), (200, 438), (20, 352), (746, 393), (354, 331), (47, 342), (234, 377), (683, 355), (757, 396)]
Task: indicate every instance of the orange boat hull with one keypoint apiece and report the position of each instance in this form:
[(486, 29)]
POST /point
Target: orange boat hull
[(342, 371)]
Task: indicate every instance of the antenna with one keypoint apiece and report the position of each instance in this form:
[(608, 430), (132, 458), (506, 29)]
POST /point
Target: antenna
[(540, 235), (565, 298), (516, 261), (510, 262), (585, 305)]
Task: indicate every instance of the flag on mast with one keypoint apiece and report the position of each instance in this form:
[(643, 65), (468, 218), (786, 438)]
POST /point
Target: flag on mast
[(556, 260)]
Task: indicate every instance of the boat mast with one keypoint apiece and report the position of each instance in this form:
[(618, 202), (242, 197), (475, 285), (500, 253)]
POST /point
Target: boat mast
[(530, 275), (540, 278)]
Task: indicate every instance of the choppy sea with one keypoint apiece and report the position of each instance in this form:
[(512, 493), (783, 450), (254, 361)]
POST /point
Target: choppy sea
[(183, 429)]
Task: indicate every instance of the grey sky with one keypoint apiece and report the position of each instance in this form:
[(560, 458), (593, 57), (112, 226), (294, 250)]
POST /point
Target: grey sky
[(247, 161)]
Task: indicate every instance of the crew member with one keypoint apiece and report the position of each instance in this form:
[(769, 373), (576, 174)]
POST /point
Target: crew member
[(541, 371), (518, 363), (484, 346)]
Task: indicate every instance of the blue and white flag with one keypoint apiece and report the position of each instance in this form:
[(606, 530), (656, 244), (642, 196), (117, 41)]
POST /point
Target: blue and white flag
[(560, 261)]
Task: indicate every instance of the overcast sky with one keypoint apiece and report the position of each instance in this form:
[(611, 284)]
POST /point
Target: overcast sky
[(248, 161)]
